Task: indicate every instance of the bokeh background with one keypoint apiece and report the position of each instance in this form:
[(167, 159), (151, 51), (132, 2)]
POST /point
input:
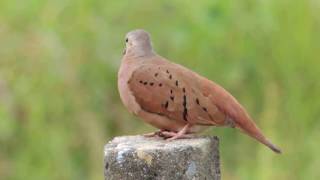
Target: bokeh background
[(59, 102)]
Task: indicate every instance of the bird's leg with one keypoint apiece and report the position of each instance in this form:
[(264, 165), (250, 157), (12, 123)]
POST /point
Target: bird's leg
[(179, 135), (169, 134), (154, 134)]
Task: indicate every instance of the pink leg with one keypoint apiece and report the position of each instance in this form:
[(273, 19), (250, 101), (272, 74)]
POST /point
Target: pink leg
[(154, 134), (169, 134), (179, 135)]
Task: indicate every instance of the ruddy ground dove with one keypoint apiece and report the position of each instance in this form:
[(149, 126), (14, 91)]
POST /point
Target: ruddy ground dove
[(175, 99)]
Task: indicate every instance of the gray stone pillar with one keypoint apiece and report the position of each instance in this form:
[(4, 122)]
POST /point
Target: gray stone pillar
[(139, 158)]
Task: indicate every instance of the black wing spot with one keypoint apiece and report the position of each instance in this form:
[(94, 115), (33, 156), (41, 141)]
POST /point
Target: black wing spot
[(197, 101), (151, 84), (184, 90), (141, 82), (160, 84), (145, 83), (185, 114), (205, 109), (166, 104), (170, 76), (168, 71), (172, 98), (156, 74), (185, 110), (177, 83), (171, 91)]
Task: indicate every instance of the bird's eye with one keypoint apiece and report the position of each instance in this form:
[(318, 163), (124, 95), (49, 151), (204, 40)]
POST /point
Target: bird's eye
[(127, 40)]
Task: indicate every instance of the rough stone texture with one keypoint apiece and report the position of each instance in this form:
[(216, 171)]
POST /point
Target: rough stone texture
[(139, 158)]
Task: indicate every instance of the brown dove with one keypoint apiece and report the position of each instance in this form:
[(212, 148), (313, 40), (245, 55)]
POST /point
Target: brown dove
[(175, 99)]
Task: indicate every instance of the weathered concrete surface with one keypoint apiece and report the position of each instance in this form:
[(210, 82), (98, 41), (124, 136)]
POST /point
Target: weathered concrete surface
[(139, 158)]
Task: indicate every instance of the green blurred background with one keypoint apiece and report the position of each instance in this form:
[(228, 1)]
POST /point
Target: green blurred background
[(59, 103)]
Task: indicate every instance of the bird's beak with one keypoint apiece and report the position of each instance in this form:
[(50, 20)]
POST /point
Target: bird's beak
[(124, 51)]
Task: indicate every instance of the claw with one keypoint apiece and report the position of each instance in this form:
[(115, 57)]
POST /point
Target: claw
[(170, 135), (179, 135), (154, 134)]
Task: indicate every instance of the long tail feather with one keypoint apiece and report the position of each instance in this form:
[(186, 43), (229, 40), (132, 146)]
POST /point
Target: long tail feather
[(253, 131)]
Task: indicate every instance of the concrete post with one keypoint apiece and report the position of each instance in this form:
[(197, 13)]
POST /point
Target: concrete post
[(139, 158)]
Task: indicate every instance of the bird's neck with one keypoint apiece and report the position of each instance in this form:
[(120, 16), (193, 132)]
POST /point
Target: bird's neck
[(139, 51)]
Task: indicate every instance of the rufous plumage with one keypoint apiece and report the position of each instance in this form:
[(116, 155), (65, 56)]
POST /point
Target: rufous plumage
[(175, 99)]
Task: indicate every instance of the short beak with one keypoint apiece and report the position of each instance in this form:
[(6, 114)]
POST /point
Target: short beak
[(124, 51)]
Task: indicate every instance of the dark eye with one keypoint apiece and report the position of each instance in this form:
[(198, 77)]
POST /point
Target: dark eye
[(127, 40)]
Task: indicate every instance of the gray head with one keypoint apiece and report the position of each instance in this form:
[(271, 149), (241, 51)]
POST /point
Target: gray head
[(138, 43)]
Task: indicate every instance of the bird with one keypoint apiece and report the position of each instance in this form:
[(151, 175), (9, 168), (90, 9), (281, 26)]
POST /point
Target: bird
[(174, 99)]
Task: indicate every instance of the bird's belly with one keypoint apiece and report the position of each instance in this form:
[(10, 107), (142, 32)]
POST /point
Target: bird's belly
[(161, 122), (164, 123)]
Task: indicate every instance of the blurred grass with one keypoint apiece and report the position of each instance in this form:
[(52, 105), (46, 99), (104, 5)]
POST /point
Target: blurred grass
[(58, 96)]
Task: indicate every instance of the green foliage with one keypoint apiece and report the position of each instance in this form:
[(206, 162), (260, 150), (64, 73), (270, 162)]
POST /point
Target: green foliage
[(58, 71)]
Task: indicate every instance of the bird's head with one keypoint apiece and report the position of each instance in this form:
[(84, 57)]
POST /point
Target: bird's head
[(138, 43)]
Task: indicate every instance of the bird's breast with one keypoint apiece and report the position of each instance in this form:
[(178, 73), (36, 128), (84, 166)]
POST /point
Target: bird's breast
[(126, 96)]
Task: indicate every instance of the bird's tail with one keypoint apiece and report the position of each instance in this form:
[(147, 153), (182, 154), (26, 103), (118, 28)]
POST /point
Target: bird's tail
[(253, 131)]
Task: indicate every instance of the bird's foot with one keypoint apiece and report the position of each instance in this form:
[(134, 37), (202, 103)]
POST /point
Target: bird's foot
[(169, 135), (182, 134), (154, 134)]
